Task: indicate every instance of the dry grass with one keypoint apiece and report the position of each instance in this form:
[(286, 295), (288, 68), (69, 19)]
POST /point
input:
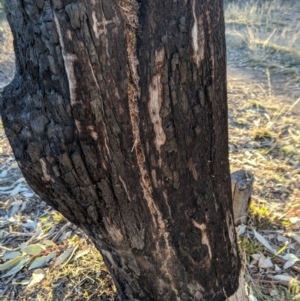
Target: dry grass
[(265, 132), (267, 32), (266, 142)]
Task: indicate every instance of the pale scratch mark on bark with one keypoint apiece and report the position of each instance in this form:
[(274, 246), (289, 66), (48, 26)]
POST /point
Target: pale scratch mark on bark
[(195, 35), (125, 187), (198, 38), (204, 240), (78, 126), (69, 61), (156, 99), (92, 132), (68, 34), (100, 29), (154, 179), (46, 176), (133, 95), (167, 201)]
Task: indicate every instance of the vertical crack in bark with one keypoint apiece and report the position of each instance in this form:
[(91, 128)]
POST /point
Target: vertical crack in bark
[(129, 10)]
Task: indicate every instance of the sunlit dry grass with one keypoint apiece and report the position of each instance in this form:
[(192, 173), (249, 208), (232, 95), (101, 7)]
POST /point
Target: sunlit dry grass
[(268, 34), (265, 131)]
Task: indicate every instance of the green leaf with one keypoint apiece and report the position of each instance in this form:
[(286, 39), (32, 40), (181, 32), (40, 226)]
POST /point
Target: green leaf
[(11, 263), (65, 257), (41, 261), (16, 268), (48, 242), (33, 249), (11, 255)]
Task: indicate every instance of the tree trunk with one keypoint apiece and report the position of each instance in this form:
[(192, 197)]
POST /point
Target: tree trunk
[(117, 116)]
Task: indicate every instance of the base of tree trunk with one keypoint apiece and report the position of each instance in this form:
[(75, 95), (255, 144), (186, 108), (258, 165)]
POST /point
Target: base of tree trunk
[(242, 184), (240, 294)]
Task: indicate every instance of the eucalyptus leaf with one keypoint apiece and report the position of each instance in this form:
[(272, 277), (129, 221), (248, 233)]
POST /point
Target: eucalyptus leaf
[(23, 282), (28, 194), (3, 174), (285, 278), (295, 237), (11, 255), (41, 261), (263, 241), (291, 260), (65, 257), (48, 242), (11, 263), (290, 256), (12, 186), (15, 191), (242, 230), (16, 268), (265, 262), (33, 249)]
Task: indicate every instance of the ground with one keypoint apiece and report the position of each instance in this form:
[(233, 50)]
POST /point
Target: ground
[(263, 42)]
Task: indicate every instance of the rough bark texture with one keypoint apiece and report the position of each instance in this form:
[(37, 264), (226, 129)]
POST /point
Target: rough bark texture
[(117, 117)]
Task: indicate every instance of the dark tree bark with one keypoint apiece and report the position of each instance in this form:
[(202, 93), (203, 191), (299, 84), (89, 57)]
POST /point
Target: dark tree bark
[(117, 116)]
